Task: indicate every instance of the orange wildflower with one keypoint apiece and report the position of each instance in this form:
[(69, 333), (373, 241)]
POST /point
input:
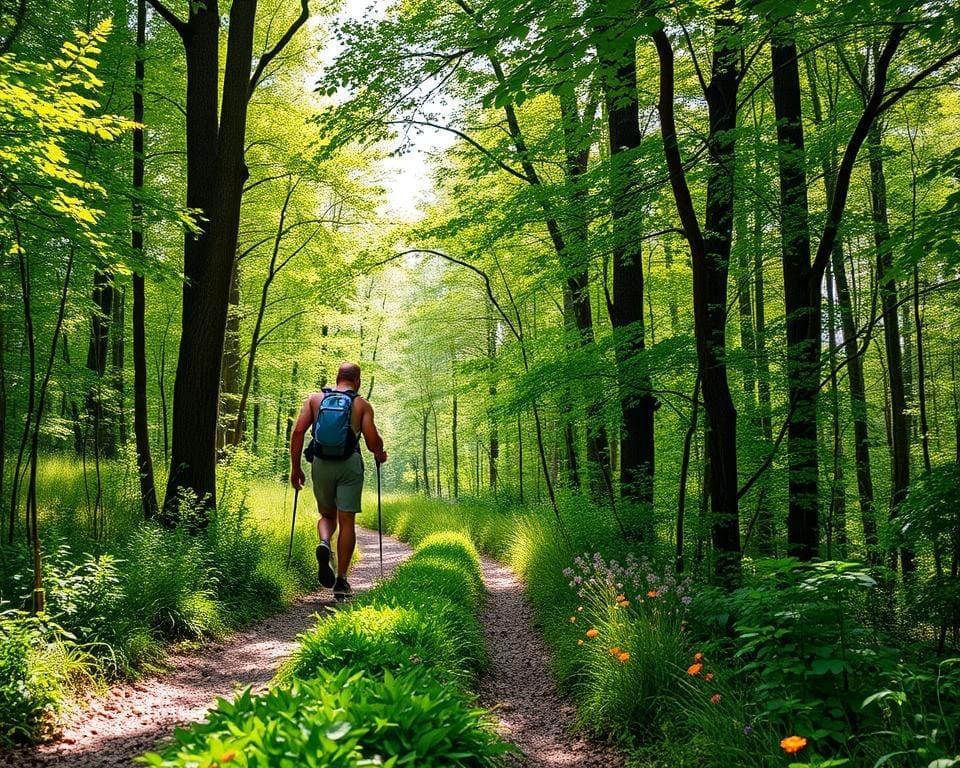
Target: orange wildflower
[(793, 744), (708, 677), (623, 658), (698, 657), (618, 598), (652, 593), (593, 632), (715, 699), (226, 757), (624, 603), (615, 651), (694, 669)]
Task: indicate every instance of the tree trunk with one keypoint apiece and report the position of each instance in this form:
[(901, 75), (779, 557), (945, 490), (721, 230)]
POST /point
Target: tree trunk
[(852, 358), (141, 430), (256, 408), (684, 473), (215, 176), (956, 401), (710, 255), (98, 412), (456, 452), (802, 303), (766, 540), (118, 338), (921, 372), (229, 423), (520, 456), (637, 404), (423, 451), (574, 257), (436, 445), (837, 522), (899, 432)]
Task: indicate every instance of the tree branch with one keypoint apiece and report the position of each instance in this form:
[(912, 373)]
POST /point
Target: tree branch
[(467, 138), (169, 16), (281, 44)]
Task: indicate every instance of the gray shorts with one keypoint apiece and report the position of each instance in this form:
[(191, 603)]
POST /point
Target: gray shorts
[(338, 484)]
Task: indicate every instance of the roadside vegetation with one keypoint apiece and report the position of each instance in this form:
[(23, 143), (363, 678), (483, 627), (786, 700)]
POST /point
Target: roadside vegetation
[(385, 681), (799, 664), (119, 590)]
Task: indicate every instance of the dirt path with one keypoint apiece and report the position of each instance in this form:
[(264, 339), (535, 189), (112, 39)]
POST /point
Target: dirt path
[(132, 718), (519, 688)]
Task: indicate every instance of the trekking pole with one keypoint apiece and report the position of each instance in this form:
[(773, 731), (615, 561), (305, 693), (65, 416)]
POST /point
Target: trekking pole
[(379, 520), (293, 525)]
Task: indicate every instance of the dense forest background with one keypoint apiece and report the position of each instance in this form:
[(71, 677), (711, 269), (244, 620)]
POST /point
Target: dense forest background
[(674, 283), (691, 266)]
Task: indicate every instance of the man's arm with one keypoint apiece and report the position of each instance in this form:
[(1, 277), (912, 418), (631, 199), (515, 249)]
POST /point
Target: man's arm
[(297, 478), (371, 435)]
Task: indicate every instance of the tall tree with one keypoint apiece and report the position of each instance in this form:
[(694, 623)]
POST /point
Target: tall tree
[(710, 253), (617, 51), (801, 300), (141, 430), (215, 176)]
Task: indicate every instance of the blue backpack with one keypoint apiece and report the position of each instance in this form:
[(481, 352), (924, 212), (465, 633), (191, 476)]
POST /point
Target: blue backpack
[(333, 437)]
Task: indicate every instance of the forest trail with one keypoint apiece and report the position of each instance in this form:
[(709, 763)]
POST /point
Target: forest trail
[(132, 717), (518, 685)]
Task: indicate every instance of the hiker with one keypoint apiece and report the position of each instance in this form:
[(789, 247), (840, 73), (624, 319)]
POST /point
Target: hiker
[(336, 417)]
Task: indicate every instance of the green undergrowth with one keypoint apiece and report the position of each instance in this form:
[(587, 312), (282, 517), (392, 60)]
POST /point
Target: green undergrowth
[(119, 590), (384, 681), (683, 674)]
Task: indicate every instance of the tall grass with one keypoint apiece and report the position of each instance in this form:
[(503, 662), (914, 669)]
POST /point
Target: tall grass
[(622, 654), (120, 588), (385, 681)]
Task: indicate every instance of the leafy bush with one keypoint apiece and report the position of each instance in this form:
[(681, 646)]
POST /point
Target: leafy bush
[(391, 637), (340, 719), (928, 522), (88, 597), (920, 717), (808, 659), (35, 665), (169, 584)]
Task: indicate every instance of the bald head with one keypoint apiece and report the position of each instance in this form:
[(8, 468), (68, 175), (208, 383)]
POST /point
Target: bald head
[(348, 373)]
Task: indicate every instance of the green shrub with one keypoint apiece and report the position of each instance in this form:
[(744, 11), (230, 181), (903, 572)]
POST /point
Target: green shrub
[(342, 718), (89, 599), (806, 656), (390, 637), (35, 666), (920, 718), (169, 585)]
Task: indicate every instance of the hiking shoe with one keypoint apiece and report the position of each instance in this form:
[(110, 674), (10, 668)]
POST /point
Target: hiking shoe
[(341, 589), (325, 574)]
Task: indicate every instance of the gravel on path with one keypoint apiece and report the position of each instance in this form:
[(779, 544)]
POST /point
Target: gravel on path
[(518, 686), (132, 718)]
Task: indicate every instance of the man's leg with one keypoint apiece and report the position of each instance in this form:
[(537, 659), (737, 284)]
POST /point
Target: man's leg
[(347, 541), (326, 527), (327, 524)]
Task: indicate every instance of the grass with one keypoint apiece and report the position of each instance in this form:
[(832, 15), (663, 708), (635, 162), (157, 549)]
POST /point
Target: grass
[(371, 684), (119, 589), (644, 700)]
